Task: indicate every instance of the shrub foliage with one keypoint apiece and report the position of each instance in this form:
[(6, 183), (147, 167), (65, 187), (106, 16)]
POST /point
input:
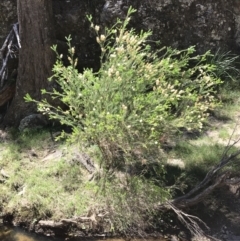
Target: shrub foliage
[(137, 97)]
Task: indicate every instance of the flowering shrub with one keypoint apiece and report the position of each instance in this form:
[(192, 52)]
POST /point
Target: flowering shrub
[(137, 96)]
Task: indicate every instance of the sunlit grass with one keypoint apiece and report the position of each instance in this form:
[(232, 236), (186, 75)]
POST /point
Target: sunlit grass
[(52, 187), (40, 188)]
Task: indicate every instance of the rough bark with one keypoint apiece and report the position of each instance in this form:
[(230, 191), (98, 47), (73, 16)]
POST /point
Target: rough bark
[(35, 57)]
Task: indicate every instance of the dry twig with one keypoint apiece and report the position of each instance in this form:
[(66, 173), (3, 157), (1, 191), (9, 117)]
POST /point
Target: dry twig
[(9, 49), (189, 221)]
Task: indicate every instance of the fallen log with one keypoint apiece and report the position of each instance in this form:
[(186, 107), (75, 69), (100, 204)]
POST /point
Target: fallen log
[(50, 224)]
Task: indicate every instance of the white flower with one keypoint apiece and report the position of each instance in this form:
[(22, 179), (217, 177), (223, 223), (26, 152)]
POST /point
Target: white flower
[(120, 49), (124, 37), (124, 106), (102, 37), (110, 71), (132, 40), (73, 50), (97, 28)]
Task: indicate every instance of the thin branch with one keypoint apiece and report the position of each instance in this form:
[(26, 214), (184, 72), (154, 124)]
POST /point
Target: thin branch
[(15, 28), (189, 221), (5, 43), (9, 49), (209, 177), (182, 203)]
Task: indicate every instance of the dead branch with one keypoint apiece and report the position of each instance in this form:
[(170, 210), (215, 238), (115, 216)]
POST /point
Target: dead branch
[(188, 202), (211, 175), (53, 224), (50, 224), (15, 28), (68, 221), (232, 181), (211, 181), (189, 221), (85, 160), (9, 49), (92, 219)]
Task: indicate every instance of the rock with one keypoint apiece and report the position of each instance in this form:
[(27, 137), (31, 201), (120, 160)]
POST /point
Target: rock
[(33, 121), (179, 23), (210, 25)]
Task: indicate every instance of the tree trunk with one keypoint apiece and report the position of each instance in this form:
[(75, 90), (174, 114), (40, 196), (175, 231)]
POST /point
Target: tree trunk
[(35, 57)]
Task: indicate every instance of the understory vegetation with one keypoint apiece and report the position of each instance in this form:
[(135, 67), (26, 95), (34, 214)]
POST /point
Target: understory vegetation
[(141, 119)]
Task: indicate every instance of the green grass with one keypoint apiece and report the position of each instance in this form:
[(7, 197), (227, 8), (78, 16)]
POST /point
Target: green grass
[(57, 188), (60, 187), (224, 134), (230, 98), (53, 188), (198, 159)]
